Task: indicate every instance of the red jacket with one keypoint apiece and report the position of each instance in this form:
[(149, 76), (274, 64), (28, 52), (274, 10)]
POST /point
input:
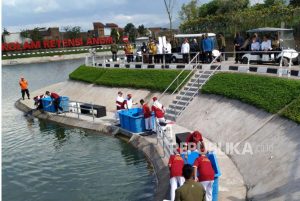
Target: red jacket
[(176, 164), (54, 95), (158, 112), (146, 111), (205, 169)]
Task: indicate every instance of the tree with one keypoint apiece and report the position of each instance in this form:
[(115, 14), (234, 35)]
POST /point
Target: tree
[(295, 3), (35, 34), (130, 31), (115, 35), (142, 31), (169, 5), (274, 2), (25, 33), (72, 32), (5, 32), (189, 11)]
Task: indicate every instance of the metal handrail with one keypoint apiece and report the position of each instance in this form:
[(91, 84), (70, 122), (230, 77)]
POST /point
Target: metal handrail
[(166, 142), (77, 107), (195, 58), (196, 80)]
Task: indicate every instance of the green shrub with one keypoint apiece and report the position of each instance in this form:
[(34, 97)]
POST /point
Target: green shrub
[(293, 111), (269, 93), (86, 74), (151, 79)]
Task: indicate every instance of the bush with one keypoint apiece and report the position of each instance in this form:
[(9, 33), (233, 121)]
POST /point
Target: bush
[(269, 93), (86, 74), (293, 111), (151, 79)]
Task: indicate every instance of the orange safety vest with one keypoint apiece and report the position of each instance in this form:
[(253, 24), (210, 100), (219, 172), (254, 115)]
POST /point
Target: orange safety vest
[(23, 84)]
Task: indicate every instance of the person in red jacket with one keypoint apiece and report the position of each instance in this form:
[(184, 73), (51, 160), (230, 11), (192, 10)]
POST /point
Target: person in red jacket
[(176, 164), (56, 101), (158, 110), (206, 174), (197, 140), (147, 115)]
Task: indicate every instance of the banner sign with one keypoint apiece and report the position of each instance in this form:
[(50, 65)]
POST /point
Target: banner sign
[(49, 44)]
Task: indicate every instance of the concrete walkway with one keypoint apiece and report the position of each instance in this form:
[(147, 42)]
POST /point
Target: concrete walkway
[(232, 187)]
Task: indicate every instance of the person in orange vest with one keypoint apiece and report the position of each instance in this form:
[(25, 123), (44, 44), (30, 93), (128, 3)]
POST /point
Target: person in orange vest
[(24, 88)]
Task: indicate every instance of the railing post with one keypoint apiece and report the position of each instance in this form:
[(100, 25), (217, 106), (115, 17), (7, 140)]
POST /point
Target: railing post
[(77, 109), (280, 65), (290, 65), (93, 112)]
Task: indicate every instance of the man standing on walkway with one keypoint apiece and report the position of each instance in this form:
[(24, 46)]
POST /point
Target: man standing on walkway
[(238, 43), (185, 51), (114, 50), (190, 190), (24, 88)]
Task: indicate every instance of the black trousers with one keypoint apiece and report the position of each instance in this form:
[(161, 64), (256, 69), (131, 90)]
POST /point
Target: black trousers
[(186, 58), (114, 56), (23, 91), (56, 103), (208, 56)]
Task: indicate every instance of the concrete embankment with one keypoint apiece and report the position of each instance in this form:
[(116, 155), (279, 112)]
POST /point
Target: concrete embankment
[(272, 170), (231, 183), (43, 59)]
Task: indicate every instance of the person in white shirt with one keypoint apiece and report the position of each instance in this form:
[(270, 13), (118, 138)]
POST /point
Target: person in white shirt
[(119, 104), (168, 52), (266, 44), (128, 103), (255, 46), (159, 53), (185, 50)]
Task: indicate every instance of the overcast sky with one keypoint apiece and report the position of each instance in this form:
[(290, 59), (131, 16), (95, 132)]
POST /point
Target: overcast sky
[(22, 14)]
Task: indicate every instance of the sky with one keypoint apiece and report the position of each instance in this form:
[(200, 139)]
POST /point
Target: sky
[(28, 14)]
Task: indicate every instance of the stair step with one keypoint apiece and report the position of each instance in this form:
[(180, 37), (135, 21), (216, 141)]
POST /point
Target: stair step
[(187, 93), (180, 97), (172, 112), (193, 88), (179, 102), (170, 117), (177, 107), (196, 80)]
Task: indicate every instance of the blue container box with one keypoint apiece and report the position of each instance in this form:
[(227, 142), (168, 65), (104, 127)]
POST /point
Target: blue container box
[(133, 120), (213, 159), (48, 106)]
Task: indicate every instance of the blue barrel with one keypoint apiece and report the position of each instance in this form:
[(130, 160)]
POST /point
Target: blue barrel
[(213, 159), (48, 106), (64, 103), (133, 120)]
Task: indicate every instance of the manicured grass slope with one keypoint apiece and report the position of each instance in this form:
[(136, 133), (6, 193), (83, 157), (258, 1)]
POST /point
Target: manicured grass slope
[(269, 93), (157, 80)]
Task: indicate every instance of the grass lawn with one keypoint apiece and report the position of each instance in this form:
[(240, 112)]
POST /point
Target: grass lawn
[(152, 79), (269, 93)]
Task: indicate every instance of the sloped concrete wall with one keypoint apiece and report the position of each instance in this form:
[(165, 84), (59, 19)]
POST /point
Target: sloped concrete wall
[(268, 153)]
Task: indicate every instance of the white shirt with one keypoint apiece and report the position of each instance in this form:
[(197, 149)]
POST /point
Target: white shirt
[(159, 49), (168, 48), (185, 48), (266, 45), (129, 103), (255, 46)]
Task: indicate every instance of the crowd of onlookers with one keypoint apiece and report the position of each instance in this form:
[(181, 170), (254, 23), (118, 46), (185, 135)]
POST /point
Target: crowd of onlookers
[(154, 52)]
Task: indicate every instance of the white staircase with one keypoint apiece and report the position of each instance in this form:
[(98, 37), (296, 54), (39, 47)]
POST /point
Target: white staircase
[(187, 93)]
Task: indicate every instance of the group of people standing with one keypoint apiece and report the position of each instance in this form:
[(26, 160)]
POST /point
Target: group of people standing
[(154, 52), (191, 171), (157, 108)]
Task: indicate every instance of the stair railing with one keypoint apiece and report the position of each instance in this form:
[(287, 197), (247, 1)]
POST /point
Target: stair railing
[(177, 77), (189, 87)]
